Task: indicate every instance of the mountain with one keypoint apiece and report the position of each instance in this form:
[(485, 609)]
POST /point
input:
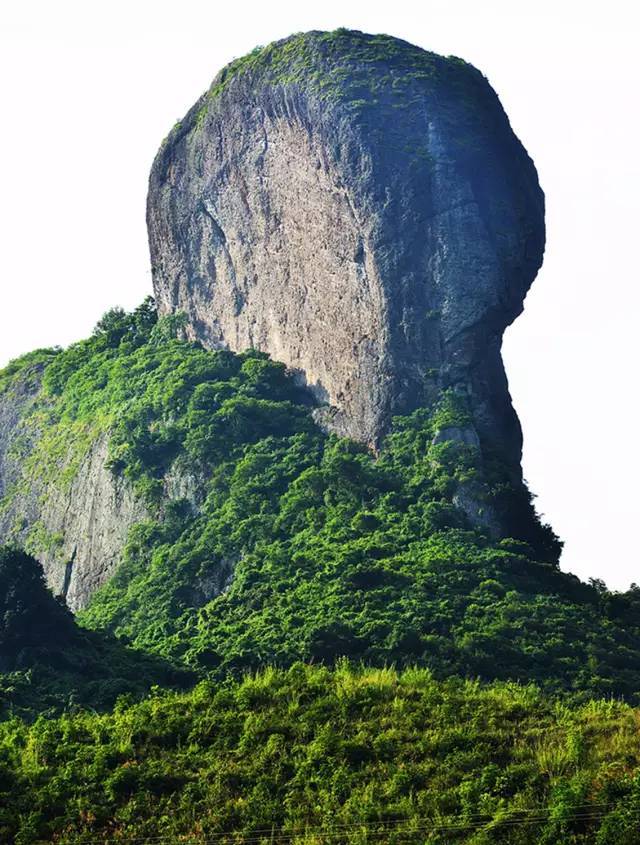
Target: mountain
[(355, 207), (361, 210), (284, 499)]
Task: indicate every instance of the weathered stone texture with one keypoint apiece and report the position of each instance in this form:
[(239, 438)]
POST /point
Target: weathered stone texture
[(362, 211), (92, 519), (77, 530), (354, 206)]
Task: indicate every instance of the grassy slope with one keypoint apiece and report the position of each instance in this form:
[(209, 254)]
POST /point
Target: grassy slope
[(371, 755)]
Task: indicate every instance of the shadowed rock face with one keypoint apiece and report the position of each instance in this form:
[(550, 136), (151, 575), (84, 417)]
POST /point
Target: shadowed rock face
[(361, 210)]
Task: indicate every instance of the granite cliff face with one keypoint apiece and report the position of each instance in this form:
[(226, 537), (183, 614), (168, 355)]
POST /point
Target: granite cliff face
[(77, 527), (357, 208), (361, 210)]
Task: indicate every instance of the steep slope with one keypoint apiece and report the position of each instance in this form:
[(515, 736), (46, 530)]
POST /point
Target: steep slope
[(360, 209), (267, 540), (57, 496), (351, 204), (48, 663)]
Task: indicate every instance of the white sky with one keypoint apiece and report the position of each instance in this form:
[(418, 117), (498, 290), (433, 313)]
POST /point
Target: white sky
[(89, 89)]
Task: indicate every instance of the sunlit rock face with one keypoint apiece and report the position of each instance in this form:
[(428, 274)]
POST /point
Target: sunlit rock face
[(77, 530), (361, 210)]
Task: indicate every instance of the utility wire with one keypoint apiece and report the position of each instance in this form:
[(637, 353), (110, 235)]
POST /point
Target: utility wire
[(531, 816), (382, 822)]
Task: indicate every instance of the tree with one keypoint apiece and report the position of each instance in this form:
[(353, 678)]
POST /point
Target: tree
[(30, 617)]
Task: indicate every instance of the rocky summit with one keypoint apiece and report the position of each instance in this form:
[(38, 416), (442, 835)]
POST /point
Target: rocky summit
[(282, 634), (352, 205), (361, 210)]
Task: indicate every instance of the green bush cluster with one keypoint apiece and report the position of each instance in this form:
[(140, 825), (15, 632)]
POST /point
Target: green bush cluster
[(48, 663), (30, 618), (24, 371), (312, 755), (297, 545)]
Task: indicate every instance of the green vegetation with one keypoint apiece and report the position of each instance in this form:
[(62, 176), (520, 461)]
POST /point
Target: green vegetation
[(313, 755), (336, 63), (293, 545), (31, 618), (48, 663), (24, 370), (362, 71), (271, 543)]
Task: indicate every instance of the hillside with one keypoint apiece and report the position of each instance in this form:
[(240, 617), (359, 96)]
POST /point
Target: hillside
[(312, 756), (284, 543), (49, 664), (269, 570)]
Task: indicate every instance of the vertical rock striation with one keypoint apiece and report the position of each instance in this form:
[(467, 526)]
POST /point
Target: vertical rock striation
[(77, 529), (354, 206), (361, 210)]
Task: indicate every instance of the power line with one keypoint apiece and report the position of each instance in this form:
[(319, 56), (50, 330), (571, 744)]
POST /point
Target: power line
[(393, 821), (536, 815)]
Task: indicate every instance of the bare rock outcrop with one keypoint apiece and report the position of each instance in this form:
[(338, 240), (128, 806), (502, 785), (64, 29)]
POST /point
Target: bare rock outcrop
[(361, 210), (356, 207), (77, 528)]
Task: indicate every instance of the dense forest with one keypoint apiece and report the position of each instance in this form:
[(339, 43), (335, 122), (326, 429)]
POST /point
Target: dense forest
[(315, 642)]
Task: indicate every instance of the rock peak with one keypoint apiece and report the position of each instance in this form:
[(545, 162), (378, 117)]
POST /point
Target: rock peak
[(360, 209)]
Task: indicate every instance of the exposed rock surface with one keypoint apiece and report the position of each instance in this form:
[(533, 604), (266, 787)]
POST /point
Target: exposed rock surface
[(92, 519), (356, 207), (15, 403), (77, 530), (361, 210)]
